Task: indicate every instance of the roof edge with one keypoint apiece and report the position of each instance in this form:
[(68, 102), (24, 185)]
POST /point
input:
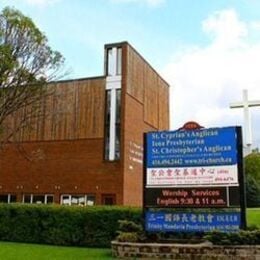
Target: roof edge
[(77, 79), (117, 44)]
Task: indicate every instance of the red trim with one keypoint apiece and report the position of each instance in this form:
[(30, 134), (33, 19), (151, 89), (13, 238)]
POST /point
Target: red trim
[(191, 125)]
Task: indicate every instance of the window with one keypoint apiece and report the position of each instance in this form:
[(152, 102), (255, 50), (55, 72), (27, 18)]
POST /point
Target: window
[(3, 198), (77, 200), (12, 198), (110, 62), (114, 61), (118, 118), (49, 199), (66, 200), (107, 123), (119, 61), (27, 199), (112, 138), (90, 200), (113, 104), (38, 198), (7, 198)]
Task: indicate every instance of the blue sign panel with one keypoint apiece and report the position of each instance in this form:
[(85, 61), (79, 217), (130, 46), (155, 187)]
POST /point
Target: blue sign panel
[(203, 147), (192, 222)]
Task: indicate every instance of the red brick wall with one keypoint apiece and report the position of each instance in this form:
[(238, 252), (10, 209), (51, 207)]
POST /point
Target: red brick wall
[(60, 167), (133, 169)]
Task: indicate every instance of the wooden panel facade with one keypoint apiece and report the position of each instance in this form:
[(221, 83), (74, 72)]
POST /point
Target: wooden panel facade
[(151, 91), (145, 85), (135, 75), (75, 110), (163, 105)]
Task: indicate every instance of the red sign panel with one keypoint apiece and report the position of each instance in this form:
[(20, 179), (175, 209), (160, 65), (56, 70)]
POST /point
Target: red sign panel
[(191, 125)]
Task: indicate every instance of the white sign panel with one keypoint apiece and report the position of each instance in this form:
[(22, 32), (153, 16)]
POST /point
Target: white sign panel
[(197, 176)]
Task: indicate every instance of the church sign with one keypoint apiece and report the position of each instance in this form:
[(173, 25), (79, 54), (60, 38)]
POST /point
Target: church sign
[(194, 222), (193, 168), (196, 157), (204, 197)]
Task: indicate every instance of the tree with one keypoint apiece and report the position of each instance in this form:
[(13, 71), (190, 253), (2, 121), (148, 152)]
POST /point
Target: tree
[(252, 171), (27, 64), (252, 165), (252, 192)]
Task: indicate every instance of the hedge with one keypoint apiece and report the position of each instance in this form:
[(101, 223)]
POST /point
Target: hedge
[(61, 225), (243, 237), (87, 226)]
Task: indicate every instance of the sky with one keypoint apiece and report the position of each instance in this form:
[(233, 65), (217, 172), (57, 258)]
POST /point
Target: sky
[(207, 50)]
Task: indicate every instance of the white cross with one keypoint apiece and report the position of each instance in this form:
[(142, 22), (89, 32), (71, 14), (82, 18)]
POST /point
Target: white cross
[(245, 104)]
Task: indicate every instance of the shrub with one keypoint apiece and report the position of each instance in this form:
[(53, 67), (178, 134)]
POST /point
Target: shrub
[(128, 237), (252, 172), (252, 192), (236, 238), (60, 225), (129, 231), (129, 226), (252, 166), (132, 232)]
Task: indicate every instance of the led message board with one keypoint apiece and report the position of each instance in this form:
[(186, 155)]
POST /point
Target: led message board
[(204, 197)]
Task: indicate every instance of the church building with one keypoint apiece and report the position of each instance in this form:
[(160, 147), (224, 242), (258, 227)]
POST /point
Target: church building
[(88, 148)]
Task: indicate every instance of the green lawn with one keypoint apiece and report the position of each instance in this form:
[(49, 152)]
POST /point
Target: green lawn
[(253, 217), (19, 251)]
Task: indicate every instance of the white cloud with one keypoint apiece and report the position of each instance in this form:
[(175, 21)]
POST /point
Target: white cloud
[(226, 28), (206, 79), (41, 3), (152, 3), (255, 25)]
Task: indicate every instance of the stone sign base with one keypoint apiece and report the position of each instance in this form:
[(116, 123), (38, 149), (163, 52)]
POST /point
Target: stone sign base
[(203, 251)]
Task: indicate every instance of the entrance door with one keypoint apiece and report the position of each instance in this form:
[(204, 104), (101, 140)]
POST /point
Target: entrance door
[(108, 199)]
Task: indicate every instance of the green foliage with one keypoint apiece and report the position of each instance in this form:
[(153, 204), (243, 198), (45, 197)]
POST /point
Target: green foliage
[(27, 63), (129, 226), (58, 225), (252, 171), (26, 57), (91, 226), (236, 238), (129, 231), (252, 192), (128, 237), (252, 166)]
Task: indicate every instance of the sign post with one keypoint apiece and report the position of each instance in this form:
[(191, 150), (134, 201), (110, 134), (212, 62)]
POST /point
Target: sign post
[(241, 176)]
